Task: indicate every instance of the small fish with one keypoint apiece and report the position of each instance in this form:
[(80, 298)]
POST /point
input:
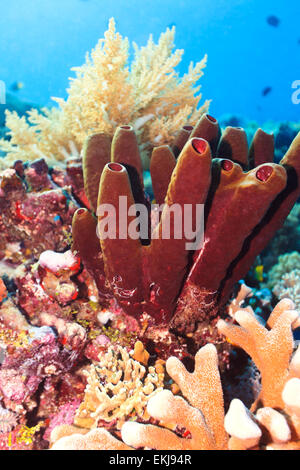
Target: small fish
[(259, 273), (170, 25), (273, 20), (266, 91), (17, 86)]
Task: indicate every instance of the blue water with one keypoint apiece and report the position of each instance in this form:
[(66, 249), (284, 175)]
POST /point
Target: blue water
[(41, 39)]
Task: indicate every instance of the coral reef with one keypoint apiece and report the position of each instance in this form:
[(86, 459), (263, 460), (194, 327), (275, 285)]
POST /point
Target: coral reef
[(64, 416), (198, 421), (243, 210), (106, 93), (32, 221), (43, 361), (131, 342)]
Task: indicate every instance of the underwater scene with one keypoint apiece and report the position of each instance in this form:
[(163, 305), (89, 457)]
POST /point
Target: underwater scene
[(150, 226)]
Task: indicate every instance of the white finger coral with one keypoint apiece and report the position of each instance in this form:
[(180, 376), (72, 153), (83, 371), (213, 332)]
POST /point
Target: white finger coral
[(107, 92), (275, 423), (240, 425)]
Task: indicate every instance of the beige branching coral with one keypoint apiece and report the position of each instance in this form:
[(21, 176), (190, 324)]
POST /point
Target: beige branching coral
[(107, 92), (70, 438), (203, 416), (269, 347), (237, 303), (276, 424), (118, 387)]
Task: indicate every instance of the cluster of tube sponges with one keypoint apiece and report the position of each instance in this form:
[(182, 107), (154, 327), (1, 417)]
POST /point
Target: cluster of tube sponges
[(246, 199)]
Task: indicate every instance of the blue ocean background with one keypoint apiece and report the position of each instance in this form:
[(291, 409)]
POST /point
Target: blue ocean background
[(42, 39)]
